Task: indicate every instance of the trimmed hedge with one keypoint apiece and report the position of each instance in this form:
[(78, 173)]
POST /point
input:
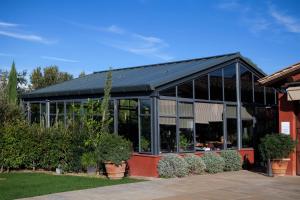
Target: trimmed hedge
[(195, 164), (213, 162), (172, 165), (233, 160), (31, 146)]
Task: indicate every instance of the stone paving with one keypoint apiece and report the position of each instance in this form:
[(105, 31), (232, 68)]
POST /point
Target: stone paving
[(243, 185)]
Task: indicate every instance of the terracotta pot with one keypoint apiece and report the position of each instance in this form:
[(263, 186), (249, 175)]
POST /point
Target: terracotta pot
[(115, 171), (279, 166)]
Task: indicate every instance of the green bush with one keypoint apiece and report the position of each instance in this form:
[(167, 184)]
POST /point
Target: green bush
[(113, 148), (195, 164), (88, 160), (233, 160), (276, 146), (172, 165), (213, 162)]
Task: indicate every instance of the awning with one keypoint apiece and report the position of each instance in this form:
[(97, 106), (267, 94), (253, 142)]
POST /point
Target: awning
[(293, 93)]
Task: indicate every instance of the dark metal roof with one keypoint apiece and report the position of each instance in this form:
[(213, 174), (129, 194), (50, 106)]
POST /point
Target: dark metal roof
[(136, 79)]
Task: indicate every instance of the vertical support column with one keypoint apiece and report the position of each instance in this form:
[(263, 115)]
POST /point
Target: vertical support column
[(116, 116), (155, 126), (224, 126), (238, 97), (194, 113), (177, 123), (47, 113), (139, 124)]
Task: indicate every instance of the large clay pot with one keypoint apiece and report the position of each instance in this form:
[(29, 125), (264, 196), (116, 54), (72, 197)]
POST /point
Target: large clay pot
[(279, 166), (115, 171)]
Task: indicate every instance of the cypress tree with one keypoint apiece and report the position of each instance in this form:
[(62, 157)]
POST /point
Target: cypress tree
[(12, 85)]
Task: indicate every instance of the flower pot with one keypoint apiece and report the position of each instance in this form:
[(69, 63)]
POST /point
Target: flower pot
[(115, 171), (91, 170), (279, 166)]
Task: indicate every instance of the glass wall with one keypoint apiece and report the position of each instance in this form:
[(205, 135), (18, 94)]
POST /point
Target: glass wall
[(246, 85), (209, 126), (201, 87), (232, 135), (230, 83), (128, 121), (186, 126), (145, 125), (185, 90), (167, 126), (247, 126), (216, 85), (35, 112)]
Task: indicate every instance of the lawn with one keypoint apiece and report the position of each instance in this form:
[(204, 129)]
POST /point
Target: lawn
[(20, 185)]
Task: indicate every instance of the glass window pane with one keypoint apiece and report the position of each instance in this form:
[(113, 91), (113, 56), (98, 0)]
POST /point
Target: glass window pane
[(145, 106), (171, 92), (35, 112), (128, 121), (270, 96), (145, 133), (230, 83), (185, 90), (53, 108), (167, 127), (209, 126), (60, 107), (258, 92), (185, 109), (247, 126), (246, 85), (186, 134), (201, 88), (231, 114), (216, 86), (167, 107)]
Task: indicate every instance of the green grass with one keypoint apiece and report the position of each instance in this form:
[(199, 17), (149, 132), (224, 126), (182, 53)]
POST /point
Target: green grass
[(20, 185)]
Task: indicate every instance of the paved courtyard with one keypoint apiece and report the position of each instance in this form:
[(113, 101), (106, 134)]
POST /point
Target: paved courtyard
[(230, 185)]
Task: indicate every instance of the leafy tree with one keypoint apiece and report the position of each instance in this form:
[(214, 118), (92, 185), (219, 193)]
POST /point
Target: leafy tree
[(49, 76), (12, 85)]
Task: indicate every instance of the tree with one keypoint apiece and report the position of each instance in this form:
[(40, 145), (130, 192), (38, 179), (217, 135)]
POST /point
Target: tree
[(106, 118), (50, 76), (82, 74), (12, 94)]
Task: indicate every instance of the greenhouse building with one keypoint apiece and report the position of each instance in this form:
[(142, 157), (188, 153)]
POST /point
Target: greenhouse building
[(197, 105)]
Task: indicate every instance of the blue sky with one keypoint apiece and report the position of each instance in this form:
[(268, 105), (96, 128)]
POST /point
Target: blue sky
[(94, 35)]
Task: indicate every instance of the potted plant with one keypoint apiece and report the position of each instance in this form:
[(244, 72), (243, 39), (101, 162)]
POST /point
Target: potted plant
[(114, 151), (277, 148), (59, 169), (88, 161)]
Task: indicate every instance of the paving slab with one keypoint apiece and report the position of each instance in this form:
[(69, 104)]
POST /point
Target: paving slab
[(241, 185)]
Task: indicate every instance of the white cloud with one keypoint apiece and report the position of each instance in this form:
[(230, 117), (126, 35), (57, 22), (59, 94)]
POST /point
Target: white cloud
[(290, 23), (7, 24), (59, 59), (114, 29), (27, 37)]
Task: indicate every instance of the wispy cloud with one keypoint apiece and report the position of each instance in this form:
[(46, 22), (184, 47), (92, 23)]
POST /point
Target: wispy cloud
[(7, 24), (114, 29), (26, 37), (12, 30), (59, 59), (290, 23)]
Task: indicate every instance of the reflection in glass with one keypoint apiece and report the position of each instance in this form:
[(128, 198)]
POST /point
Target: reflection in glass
[(201, 87), (186, 134), (185, 90), (230, 83), (167, 128), (231, 114), (145, 133), (209, 126), (247, 126), (258, 92), (171, 92), (270, 96), (216, 86), (246, 85), (35, 112)]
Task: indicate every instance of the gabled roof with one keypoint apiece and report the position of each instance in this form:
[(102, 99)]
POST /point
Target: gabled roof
[(136, 79), (280, 75)]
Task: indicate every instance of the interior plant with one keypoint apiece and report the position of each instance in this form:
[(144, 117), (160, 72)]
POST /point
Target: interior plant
[(183, 142), (172, 165), (89, 162), (114, 151), (145, 144), (214, 163), (277, 147), (233, 160), (195, 164)]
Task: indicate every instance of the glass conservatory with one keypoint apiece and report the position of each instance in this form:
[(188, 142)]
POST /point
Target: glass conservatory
[(198, 105)]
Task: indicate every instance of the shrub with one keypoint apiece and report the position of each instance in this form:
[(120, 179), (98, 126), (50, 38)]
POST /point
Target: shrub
[(113, 148), (172, 165), (195, 164), (233, 160), (88, 160), (276, 146), (213, 162)]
